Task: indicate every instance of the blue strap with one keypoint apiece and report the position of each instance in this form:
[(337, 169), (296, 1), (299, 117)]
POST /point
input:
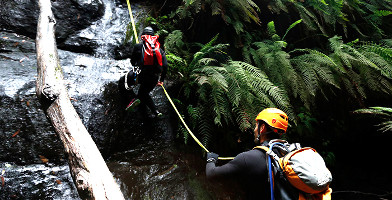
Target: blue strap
[(270, 178), (270, 170)]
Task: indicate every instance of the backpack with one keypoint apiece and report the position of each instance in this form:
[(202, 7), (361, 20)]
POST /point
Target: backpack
[(151, 53), (296, 172)]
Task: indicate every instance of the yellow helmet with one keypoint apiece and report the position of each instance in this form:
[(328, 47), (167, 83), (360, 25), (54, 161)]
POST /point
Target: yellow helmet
[(274, 117)]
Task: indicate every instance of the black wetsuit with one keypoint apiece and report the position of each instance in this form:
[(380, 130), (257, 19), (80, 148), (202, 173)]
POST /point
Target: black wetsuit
[(148, 77), (250, 168)]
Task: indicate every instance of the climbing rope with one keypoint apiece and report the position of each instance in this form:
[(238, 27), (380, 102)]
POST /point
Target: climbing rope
[(168, 97), (189, 130), (133, 22)]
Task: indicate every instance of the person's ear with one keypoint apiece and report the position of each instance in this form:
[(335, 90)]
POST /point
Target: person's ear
[(261, 129)]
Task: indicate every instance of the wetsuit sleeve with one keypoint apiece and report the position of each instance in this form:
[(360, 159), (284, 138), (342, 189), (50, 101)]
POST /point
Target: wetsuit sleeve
[(233, 167), (136, 55), (165, 66)]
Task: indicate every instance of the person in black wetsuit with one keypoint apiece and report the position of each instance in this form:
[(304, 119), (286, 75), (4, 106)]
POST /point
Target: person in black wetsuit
[(150, 75), (250, 167)]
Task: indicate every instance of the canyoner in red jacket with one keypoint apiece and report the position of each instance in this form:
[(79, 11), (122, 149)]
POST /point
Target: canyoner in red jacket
[(152, 61)]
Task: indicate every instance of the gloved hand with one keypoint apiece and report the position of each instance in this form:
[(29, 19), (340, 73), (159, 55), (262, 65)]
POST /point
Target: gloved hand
[(212, 157)]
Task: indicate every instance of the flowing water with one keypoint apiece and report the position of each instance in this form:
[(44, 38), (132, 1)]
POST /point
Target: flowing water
[(142, 154)]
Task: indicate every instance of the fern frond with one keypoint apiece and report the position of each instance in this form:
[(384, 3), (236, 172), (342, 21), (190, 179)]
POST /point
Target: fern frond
[(174, 42), (310, 19), (243, 119), (205, 125), (261, 85), (384, 113), (379, 55), (291, 26), (278, 5), (386, 126), (271, 28)]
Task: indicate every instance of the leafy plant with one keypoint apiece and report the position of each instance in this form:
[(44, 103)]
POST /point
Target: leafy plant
[(300, 76), (379, 112), (160, 23), (129, 34), (233, 12), (226, 92), (327, 16), (357, 71)]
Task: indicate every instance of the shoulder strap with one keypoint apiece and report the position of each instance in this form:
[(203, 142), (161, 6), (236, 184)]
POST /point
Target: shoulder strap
[(266, 149)]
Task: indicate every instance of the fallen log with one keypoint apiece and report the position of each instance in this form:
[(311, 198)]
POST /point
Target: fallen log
[(89, 171)]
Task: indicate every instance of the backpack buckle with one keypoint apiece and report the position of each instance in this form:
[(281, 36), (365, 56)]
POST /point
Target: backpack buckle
[(136, 70), (273, 154)]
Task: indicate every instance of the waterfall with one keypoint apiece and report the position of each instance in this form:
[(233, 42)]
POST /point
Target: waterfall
[(109, 31)]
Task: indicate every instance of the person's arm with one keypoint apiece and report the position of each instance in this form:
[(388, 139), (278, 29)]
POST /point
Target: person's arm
[(233, 167)]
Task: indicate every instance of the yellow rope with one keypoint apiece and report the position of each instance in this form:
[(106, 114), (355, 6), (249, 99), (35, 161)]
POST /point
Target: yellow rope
[(189, 130), (133, 22), (167, 95)]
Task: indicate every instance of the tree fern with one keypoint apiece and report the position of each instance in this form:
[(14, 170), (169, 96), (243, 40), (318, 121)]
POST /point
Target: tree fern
[(360, 69), (328, 15), (356, 69), (234, 12), (381, 55), (226, 92)]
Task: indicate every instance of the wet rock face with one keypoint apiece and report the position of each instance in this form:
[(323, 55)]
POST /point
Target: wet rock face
[(26, 134), (21, 16), (49, 182), (24, 130)]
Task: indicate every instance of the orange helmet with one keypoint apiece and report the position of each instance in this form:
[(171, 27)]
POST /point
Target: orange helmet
[(274, 117)]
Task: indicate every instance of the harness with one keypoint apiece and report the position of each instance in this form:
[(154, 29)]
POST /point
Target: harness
[(135, 70)]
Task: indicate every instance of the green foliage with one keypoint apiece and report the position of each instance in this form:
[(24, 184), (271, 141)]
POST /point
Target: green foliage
[(379, 54), (328, 15), (359, 69), (129, 34), (382, 113), (300, 76), (306, 123), (226, 92), (356, 68), (174, 43), (291, 26), (161, 24), (233, 12)]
